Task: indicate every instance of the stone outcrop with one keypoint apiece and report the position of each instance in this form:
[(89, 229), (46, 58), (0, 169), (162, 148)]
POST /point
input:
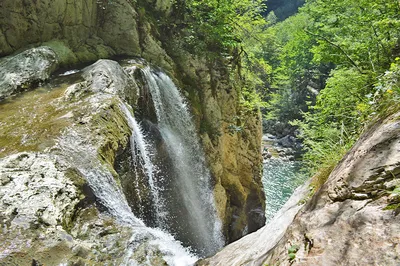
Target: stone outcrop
[(48, 211), (235, 162), (26, 69), (48, 218), (83, 30), (352, 220), (29, 22)]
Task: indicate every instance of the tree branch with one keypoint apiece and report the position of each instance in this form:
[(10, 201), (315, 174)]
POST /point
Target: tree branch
[(337, 46)]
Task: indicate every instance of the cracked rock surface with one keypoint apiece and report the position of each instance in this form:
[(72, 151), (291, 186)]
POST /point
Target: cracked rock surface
[(49, 212), (353, 219), (23, 70)]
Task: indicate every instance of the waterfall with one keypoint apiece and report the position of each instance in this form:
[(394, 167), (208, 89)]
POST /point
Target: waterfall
[(142, 161), (99, 179), (173, 209), (108, 193), (187, 196)]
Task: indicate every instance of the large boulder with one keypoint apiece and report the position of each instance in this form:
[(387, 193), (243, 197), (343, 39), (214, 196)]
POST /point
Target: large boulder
[(353, 219), (26, 69)]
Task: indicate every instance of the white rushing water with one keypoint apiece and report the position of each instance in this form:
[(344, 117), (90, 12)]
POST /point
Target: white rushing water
[(109, 194), (200, 225), (141, 155), (100, 180), (177, 179)]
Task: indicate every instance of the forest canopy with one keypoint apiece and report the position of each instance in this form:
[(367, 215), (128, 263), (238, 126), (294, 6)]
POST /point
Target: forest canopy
[(335, 68)]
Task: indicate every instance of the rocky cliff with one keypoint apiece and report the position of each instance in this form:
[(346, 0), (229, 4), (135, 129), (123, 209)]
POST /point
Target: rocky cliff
[(67, 33), (352, 220)]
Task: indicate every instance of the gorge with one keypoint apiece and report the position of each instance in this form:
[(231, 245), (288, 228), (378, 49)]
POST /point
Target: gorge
[(131, 133)]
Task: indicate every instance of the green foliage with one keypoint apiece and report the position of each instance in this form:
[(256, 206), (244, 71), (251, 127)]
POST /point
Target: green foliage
[(296, 79), (250, 99), (355, 33), (292, 252), (233, 30), (293, 249), (394, 199), (220, 25), (335, 69), (395, 192), (386, 96)]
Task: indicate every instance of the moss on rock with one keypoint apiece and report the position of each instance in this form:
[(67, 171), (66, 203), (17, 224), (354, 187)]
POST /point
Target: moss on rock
[(32, 121)]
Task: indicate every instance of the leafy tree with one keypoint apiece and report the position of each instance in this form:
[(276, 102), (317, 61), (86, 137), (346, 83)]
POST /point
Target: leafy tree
[(296, 78), (337, 50), (236, 30), (355, 33)]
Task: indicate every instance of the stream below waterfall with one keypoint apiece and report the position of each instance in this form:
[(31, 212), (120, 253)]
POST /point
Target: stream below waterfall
[(280, 179)]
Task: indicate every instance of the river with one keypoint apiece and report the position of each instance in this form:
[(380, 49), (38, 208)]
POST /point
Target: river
[(280, 178)]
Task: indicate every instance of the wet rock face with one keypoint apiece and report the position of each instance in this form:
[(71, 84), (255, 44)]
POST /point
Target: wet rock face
[(26, 69), (233, 153)]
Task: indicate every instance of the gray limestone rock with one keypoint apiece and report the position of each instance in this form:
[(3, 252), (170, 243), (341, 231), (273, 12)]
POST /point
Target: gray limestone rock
[(105, 76), (37, 192), (26, 69), (49, 201)]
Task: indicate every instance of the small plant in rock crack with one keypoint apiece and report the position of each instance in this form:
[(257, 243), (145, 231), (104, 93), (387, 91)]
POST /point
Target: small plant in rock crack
[(292, 252)]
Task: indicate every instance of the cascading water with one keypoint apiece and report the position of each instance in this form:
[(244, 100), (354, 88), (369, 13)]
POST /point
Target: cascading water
[(142, 159), (186, 196), (109, 195), (169, 171)]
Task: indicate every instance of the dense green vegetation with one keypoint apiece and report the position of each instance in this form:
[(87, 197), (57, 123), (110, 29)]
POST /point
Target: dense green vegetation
[(326, 71), (336, 68)]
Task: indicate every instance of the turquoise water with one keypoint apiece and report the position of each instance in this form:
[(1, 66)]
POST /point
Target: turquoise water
[(280, 179)]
